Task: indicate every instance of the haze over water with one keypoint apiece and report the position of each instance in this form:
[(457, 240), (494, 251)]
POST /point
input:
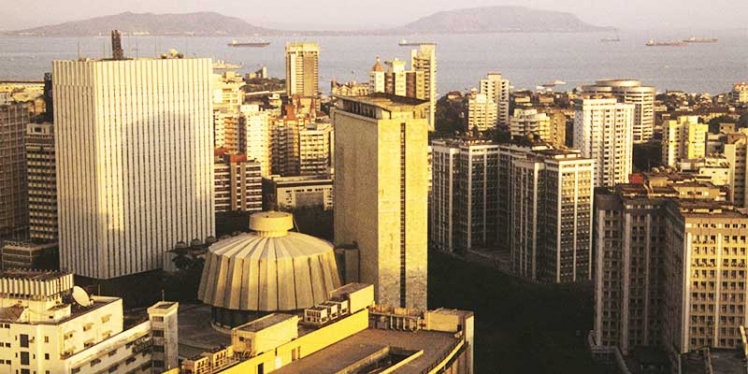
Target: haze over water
[(526, 59)]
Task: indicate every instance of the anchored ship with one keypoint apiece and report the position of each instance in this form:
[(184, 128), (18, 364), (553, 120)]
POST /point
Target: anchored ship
[(694, 39), (652, 43), (234, 43), (404, 43)]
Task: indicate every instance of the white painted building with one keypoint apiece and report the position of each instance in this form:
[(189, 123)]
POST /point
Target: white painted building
[(497, 89), (255, 136), (47, 326), (603, 132), (134, 141)]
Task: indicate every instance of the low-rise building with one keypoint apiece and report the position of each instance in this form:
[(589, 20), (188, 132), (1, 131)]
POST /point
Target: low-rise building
[(49, 326), (288, 193)]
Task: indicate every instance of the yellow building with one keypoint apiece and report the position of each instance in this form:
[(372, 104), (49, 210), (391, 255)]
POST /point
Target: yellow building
[(381, 192), (302, 64), (346, 334), (684, 138)]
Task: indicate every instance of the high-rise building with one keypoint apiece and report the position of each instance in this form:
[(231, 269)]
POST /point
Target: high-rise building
[(57, 328), (496, 88), (631, 91), (254, 136), (603, 132), (381, 192), (736, 153), (134, 143), (464, 195), (668, 264), (423, 60), (530, 123), (238, 183), (482, 112), (42, 176), (550, 208), (558, 128), (684, 138), (302, 69), (314, 149), (14, 214)]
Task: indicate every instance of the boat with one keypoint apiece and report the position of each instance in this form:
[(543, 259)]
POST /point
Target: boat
[(694, 39), (404, 43), (652, 43), (234, 43), (558, 82)]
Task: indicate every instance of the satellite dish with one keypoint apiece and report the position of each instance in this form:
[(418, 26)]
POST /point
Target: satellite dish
[(81, 297)]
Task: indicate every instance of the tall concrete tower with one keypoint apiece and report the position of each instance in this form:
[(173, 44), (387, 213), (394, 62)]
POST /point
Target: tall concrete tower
[(381, 192), (302, 69), (631, 91), (134, 142), (14, 214), (423, 60)]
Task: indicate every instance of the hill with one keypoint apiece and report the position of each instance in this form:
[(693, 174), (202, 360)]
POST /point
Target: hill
[(498, 19), (199, 24)]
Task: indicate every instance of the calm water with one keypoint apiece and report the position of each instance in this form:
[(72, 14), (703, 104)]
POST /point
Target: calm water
[(527, 60)]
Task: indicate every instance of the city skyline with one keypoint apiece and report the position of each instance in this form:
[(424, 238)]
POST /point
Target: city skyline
[(638, 14)]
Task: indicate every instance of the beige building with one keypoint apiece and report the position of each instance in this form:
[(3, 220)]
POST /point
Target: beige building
[(463, 209), (288, 193), (24, 254), (238, 183), (49, 326), (134, 143), (739, 93), (314, 149), (254, 136), (550, 215), (667, 266), (496, 88), (736, 153), (14, 215), (423, 60), (631, 91), (684, 138), (42, 177), (529, 123), (381, 192), (302, 69), (603, 132), (481, 112)]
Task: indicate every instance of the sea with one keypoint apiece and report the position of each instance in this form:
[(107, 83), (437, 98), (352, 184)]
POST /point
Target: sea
[(528, 60)]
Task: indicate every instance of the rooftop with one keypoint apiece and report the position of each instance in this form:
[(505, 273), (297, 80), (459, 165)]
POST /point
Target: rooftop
[(38, 275), (350, 351)]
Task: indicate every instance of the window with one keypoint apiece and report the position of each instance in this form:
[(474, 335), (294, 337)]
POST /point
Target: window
[(46, 356), (158, 333), (24, 340), (24, 358), (106, 318), (46, 339)]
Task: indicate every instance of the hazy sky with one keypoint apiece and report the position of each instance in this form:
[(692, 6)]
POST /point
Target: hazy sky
[(357, 14)]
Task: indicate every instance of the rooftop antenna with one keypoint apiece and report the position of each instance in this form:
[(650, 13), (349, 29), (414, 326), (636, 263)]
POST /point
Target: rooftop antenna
[(81, 297), (117, 52)]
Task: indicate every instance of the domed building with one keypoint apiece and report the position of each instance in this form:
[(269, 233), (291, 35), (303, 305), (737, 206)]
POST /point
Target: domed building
[(268, 270)]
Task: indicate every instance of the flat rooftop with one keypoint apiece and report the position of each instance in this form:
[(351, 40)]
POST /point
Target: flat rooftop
[(264, 322), (341, 355), (31, 274)]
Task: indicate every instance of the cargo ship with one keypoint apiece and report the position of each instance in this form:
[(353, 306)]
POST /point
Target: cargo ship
[(694, 39), (234, 43), (652, 43), (405, 43)]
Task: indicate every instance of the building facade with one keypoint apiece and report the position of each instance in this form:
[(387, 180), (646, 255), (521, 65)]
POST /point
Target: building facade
[(302, 69), (736, 153), (134, 161), (481, 112), (603, 132), (238, 183), (254, 136), (381, 192), (631, 91), (423, 60), (14, 216), (684, 138), (496, 88), (42, 177), (289, 193), (668, 266), (464, 202), (528, 123), (48, 326)]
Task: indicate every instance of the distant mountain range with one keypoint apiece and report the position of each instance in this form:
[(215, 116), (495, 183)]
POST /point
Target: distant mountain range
[(474, 20)]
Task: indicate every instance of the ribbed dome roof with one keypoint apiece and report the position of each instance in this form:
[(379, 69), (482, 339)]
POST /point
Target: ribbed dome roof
[(270, 269)]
